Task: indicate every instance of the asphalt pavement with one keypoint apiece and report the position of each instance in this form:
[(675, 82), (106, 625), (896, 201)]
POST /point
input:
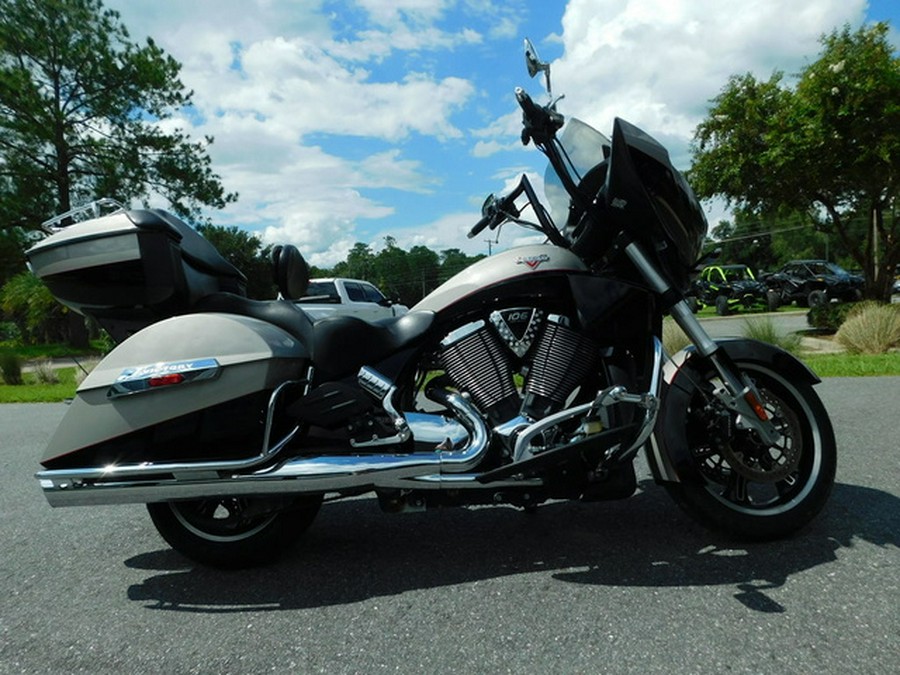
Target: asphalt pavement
[(621, 587)]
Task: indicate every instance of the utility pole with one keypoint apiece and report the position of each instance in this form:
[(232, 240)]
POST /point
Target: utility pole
[(489, 243)]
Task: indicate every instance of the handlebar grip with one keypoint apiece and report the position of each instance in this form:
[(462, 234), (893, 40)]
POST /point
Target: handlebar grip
[(527, 105), (479, 226)]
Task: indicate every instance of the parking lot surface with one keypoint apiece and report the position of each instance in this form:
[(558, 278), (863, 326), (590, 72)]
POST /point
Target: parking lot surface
[(621, 587)]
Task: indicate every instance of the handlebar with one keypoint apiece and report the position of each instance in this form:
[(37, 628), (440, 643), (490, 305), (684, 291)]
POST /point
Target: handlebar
[(540, 122), (540, 125), (500, 211), (480, 225), (527, 104)]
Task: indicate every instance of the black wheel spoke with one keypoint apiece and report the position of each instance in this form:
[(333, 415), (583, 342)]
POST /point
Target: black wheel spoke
[(737, 489), (749, 487)]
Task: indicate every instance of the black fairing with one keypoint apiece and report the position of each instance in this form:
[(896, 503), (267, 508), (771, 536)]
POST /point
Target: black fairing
[(649, 199)]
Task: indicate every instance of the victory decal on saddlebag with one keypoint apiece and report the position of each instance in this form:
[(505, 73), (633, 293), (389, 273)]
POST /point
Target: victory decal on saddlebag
[(535, 374)]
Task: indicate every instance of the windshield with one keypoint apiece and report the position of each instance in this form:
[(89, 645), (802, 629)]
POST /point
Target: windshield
[(741, 273), (584, 150), (823, 268)]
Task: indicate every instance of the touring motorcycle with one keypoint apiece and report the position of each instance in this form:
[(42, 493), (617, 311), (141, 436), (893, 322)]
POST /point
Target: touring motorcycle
[(536, 374)]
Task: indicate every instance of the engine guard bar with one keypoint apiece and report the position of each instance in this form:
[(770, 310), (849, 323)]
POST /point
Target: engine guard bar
[(620, 452)]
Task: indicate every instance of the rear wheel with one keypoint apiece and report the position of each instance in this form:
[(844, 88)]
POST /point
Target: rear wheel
[(734, 482), (234, 532), (773, 300), (722, 308)]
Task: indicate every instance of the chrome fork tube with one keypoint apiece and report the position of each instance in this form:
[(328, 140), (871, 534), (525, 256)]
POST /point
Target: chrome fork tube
[(680, 312), (739, 395)]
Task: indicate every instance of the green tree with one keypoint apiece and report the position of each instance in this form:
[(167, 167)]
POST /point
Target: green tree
[(829, 148), (454, 261), (391, 272), (28, 302), (245, 251), (13, 240), (745, 240), (80, 113), (360, 263), (424, 266)]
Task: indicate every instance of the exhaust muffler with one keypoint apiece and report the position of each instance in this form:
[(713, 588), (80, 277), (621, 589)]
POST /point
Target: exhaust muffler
[(145, 483)]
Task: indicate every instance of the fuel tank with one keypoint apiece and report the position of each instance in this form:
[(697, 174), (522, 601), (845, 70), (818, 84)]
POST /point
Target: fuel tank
[(509, 265)]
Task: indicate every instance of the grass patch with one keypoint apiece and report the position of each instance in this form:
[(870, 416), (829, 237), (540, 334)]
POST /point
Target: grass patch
[(853, 365), (35, 391), (709, 312)]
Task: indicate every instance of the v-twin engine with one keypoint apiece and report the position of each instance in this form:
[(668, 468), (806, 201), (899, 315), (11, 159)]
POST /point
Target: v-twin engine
[(483, 357)]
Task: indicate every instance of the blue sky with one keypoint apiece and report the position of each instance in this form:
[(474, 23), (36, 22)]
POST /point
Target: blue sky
[(340, 122)]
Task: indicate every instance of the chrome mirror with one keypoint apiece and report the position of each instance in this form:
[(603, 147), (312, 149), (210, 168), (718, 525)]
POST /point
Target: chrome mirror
[(535, 65)]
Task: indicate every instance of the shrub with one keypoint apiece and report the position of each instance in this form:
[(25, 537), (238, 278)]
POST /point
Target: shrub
[(870, 328), (830, 316), (45, 372), (9, 332), (673, 338), (763, 329), (11, 368)]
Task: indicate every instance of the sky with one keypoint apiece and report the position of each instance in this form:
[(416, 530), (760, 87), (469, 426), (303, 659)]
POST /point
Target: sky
[(345, 122)]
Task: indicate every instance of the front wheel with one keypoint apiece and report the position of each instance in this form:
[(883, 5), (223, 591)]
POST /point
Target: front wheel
[(234, 532), (817, 298), (734, 482)]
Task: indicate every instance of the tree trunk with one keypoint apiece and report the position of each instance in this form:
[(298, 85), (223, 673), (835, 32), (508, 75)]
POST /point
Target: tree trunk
[(77, 330)]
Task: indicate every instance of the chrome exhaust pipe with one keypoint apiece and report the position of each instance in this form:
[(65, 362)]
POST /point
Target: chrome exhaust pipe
[(296, 475)]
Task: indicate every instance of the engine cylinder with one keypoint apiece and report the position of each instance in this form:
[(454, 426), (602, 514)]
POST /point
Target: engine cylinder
[(561, 361), (479, 365)]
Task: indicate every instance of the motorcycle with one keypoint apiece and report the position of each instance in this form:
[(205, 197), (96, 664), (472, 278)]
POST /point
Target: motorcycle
[(536, 374)]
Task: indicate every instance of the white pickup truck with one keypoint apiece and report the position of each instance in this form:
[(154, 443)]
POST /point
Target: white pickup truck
[(347, 297)]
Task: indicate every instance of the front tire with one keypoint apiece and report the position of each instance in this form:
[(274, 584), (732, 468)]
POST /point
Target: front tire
[(234, 532), (734, 483), (817, 298)]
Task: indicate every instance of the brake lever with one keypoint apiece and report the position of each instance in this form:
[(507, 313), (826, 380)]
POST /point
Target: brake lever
[(540, 123)]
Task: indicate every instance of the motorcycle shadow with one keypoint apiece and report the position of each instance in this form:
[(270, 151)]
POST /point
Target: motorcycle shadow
[(354, 552)]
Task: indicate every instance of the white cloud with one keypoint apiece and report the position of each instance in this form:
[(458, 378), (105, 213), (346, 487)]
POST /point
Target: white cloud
[(392, 12), (657, 63), (286, 87), (448, 231)]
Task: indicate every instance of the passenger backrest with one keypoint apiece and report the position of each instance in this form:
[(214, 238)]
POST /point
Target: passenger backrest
[(290, 271)]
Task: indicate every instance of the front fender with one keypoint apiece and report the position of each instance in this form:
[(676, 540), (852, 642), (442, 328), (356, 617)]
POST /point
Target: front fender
[(679, 385)]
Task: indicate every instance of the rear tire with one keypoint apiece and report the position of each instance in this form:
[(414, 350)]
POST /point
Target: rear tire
[(732, 482), (722, 308), (773, 300), (234, 532)]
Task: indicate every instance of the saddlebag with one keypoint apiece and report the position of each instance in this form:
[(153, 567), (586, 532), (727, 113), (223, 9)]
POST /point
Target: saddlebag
[(191, 388)]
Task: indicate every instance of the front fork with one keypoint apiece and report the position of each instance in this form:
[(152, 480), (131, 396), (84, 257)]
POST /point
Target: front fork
[(737, 393)]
